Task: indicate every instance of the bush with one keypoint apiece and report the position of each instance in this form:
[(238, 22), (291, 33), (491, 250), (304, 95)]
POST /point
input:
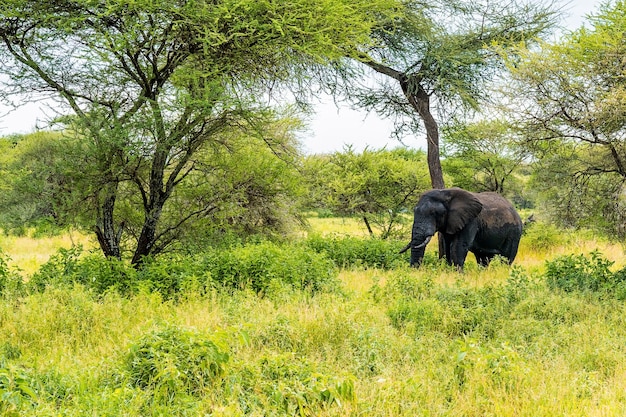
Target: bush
[(173, 360), (17, 390), (417, 306), (10, 280), (351, 251), (585, 273), (541, 237), (293, 386), (59, 269), (259, 267), (68, 267)]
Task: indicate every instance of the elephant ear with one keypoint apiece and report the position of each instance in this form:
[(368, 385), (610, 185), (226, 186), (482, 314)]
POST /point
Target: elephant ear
[(463, 208)]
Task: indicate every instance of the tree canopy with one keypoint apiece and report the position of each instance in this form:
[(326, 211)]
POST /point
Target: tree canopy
[(483, 155)]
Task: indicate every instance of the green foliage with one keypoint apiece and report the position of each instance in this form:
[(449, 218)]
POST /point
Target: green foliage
[(402, 342), (452, 312), (484, 156), (173, 361), (11, 282), (502, 363), (416, 305), (447, 48), (586, 274), (542, 236), (198, 76), (293, 386), (349, 252), (262, 268), (575, 194), (379, 186), (61, 268), (259, 267), (17, 390), (35, 181), (569, 99)]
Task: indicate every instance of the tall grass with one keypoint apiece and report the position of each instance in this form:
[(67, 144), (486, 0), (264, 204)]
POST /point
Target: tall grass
[(397, 341)]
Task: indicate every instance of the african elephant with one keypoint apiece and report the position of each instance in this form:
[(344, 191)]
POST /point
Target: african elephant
[(483, 223)]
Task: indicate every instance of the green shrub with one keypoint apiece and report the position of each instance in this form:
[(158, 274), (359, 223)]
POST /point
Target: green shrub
[(404, 283), (59, 269), (415, 303), (541, 237), (11, 281), (292, 386), (171, 275), (173, 360), (68, 267), (17, 390), (586, 274), (366, 252), (259, 267)]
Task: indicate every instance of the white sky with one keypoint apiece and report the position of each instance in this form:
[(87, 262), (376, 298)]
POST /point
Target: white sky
[(330, 129)]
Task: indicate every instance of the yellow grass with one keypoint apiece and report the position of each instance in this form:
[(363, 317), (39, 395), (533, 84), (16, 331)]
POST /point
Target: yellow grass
[(337, 225), (28, 254)]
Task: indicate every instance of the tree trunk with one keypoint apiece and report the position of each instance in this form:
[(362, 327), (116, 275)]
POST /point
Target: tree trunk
[(108, 237), (147, 237), (420, 101), (367, 224)]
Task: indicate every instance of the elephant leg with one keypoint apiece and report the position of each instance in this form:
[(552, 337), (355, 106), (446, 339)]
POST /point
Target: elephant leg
[(458, 253), (511, 250), (447, 251)]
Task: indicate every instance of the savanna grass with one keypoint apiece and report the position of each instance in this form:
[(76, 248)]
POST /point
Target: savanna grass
[(394, 341)]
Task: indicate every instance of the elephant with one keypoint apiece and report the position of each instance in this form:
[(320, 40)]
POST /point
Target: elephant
[(483, 223)]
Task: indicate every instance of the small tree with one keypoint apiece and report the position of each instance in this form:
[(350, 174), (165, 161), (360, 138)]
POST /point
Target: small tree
[(238, 191), (380, 186), (35, 182), (483, 156)]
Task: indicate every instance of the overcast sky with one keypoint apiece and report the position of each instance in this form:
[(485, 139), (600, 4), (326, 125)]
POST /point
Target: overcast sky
[(330, 128)]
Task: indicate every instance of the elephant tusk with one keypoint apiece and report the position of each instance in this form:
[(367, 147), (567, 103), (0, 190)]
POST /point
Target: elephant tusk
[(421, 245), (424, 243)]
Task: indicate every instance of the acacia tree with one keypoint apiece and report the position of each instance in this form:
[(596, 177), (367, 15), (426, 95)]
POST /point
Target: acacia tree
[(570, 99), (150, 82), (483, 156), (442, 54), (378, 185)]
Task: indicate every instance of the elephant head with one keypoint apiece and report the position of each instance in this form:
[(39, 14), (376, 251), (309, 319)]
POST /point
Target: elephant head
[(447, 211)]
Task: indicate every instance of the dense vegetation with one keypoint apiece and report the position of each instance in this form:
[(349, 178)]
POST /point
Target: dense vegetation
[(330, 326)]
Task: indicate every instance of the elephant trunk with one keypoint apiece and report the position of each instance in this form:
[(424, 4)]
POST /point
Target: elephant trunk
[(417, 254)]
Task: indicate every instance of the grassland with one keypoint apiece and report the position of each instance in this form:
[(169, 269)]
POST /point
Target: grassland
[(401, 342)]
